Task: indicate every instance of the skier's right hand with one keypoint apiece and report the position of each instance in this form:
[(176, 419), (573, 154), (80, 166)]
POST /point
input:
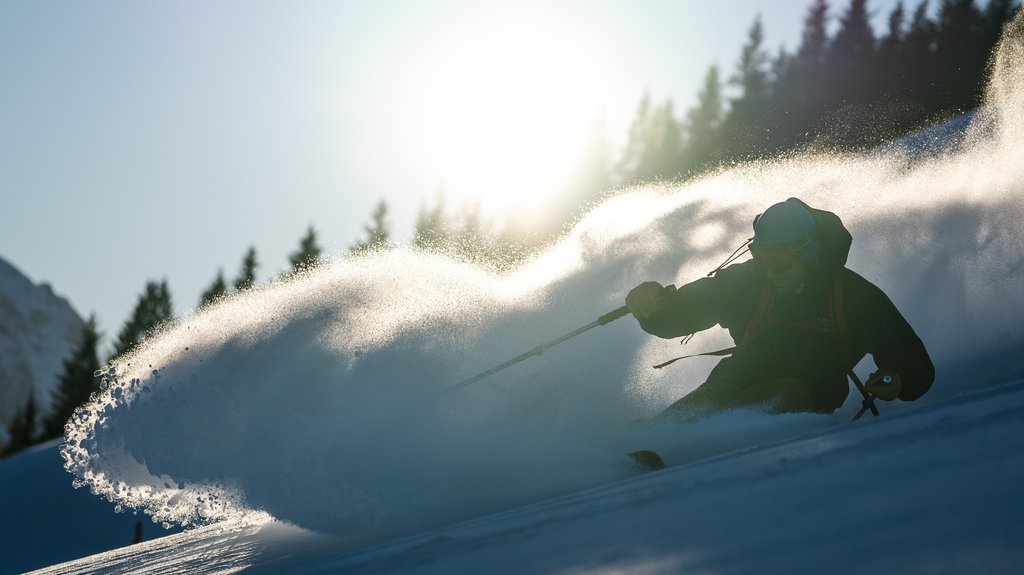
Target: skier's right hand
[(885, 384), (643, 300)]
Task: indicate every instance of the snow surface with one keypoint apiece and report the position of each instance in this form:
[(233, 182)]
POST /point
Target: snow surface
[(932, 489), (45, 520), (305, 421), (38, 332)]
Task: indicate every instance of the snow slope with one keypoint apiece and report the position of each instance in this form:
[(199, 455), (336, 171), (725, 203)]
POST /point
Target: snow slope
[(318, 401), (933, 489), (45, 520), (38, 331)]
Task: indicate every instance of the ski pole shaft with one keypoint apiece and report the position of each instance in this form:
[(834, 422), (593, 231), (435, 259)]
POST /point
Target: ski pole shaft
[(613, 315), (540, 349)]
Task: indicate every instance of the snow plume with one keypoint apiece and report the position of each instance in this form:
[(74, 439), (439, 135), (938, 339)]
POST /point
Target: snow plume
[(318, 399)]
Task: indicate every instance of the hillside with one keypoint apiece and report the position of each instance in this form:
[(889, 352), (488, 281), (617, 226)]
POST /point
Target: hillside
[(39, 330)]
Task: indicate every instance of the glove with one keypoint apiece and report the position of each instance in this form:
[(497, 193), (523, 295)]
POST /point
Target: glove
[(885, 384), (643, 300)]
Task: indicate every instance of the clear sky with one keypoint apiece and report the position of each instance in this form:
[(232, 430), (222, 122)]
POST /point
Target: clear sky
[(148, 140)]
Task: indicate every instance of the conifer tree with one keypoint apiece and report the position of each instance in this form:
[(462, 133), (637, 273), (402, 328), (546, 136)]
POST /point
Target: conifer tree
[(308, 254), (654, 147), (814, 37), (703, 125), (663, 151), (800, 89), (630, 163), (919, 64), (469, 241), (890, 53), (77, 382), (247, 274), (961, 53), (429, 231), (852, 69), (378, 231), (745, 124), (217, 290), (152, 309), (22, 429), (997, 14), (852, 54)]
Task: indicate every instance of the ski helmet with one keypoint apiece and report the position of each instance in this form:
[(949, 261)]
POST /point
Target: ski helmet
[(788, 224)]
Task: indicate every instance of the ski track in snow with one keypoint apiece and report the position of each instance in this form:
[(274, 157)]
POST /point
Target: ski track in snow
[(317, 401)]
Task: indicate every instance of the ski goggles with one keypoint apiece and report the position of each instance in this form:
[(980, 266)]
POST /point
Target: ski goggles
[(776, 259)]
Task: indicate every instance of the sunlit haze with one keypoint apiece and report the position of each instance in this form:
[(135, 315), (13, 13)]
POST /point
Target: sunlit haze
[(510, 98), (156, 140)]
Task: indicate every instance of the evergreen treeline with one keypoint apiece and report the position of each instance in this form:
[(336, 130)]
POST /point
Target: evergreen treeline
[(844, 91)]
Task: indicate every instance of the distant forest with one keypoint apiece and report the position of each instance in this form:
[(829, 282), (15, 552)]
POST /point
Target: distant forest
[(847, 91)]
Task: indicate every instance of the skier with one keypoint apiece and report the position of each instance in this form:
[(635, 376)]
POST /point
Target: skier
[(800, 319)]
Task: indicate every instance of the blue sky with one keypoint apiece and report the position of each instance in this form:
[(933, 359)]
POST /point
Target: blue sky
[(148, 140)]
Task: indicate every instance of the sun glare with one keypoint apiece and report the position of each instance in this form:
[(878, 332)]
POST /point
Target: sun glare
[(513, 100)]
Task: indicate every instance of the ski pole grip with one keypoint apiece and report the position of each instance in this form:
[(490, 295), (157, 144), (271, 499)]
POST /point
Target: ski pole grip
[(613, 315)]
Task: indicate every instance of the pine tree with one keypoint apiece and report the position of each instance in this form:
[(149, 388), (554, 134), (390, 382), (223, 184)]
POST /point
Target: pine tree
[(814, 39), (900, 109), (961, 53), (429, 233), (663, 152), (919, 64), (468, 240), (890, 53), (852, 68), (744, 127), (308, 254), (77, 382), (247, 274), (800, 90), (152, 309), (703, 125), (997, 14), (631, 162), (378, 232), (22, 429), (217, 290), (654, 148)]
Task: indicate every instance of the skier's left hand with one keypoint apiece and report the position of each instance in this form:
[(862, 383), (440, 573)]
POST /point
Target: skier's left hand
[(885, 384)]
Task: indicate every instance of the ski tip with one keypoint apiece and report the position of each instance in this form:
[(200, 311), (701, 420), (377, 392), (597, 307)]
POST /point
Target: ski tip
[(646, 460)]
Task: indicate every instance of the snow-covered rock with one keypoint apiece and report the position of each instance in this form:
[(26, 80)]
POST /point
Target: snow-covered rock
[(38, 330)]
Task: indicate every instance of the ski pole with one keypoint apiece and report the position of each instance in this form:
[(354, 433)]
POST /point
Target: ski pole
[(540, 349), (869, 399)]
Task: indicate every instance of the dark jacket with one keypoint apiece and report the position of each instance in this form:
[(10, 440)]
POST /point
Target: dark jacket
[(797, 337)]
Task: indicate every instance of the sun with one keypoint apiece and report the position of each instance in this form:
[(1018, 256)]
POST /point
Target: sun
[(512, 99)]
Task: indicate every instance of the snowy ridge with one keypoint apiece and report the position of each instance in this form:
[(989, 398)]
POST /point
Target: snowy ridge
[(39, 330), (317, 401)]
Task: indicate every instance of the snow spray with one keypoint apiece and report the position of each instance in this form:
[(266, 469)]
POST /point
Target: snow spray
[(314, 400)]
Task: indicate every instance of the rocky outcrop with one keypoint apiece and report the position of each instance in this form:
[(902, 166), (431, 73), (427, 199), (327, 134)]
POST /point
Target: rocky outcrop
[(38, 331)]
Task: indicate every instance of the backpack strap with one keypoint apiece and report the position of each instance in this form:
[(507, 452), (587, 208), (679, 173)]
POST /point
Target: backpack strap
[(718, 353), (760, 313), (837, 309)]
